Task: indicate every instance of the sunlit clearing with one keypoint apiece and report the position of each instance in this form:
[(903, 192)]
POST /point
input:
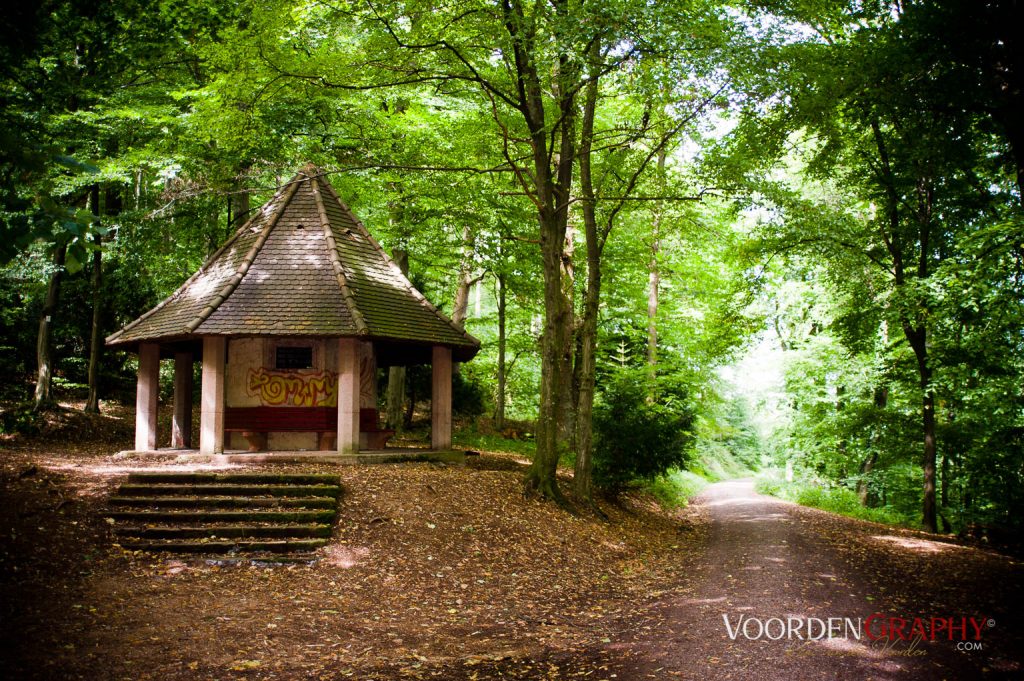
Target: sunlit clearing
[(702, 601), (105, 470), (917, 545), (742, 501), (344, 556)]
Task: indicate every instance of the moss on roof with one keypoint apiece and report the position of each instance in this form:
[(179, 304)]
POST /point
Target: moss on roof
[(303, 265)]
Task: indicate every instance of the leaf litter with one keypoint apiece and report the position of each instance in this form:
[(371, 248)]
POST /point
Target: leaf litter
[(434, 571)]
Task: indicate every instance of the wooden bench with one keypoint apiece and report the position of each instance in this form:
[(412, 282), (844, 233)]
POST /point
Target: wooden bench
[(255, 422), (369, 425)]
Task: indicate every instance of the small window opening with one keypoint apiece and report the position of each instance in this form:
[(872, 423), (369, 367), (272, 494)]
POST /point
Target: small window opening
[(294, 357), (300, 227)]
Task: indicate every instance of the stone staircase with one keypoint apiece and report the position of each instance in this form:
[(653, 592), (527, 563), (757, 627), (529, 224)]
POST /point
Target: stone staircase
[(231, 515)]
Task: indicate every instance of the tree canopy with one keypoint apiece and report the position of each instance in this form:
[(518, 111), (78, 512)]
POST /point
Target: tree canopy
[(610, 195)]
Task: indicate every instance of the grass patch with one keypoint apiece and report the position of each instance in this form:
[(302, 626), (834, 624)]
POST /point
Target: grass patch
[(675, 489), (493, 442), (834, 500)]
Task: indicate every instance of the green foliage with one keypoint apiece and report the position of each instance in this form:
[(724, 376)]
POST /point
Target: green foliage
[(21, 418), (642, 429), (727, 445), (494, 442), (714, 461), (468, 393), (833, 499), (865, 138), (879, 161), (676, 488), (852, 397), (127, 292)]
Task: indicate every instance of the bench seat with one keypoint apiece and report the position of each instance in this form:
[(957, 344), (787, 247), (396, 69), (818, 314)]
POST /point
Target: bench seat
[(255, 422)]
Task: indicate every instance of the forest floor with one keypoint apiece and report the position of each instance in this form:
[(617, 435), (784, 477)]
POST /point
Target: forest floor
[(449, 572)]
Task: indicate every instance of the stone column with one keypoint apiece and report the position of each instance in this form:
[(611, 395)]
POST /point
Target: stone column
[(146, 397), (441, 399), (181, 424), (348, 395), (211, 416)]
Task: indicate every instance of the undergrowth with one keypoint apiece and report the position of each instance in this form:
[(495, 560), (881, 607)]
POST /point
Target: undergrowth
[(833, 499), (672, 490), (675, 489), (19, 419), (494, 442), (713, 463)]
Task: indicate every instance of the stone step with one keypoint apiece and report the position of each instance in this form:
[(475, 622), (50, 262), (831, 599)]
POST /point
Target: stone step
[(226, 531), (262, 559), (237, 478), (289, 546), (224, 502), (255, 517), (220, 490), (291, 516)]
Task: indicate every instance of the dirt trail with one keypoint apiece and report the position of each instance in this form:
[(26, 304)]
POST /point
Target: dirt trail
[(770, 559), (461, 578)]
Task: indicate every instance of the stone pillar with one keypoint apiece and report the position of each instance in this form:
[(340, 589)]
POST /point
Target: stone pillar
[(181, 424), (211, 416), (146, 397), (348, 395), (441, 399)]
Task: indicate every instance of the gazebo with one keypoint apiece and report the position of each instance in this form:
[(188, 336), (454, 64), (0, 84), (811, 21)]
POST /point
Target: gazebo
[(291, 318)]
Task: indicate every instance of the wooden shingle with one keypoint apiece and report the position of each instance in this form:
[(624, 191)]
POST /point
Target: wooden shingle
[(304, 265)]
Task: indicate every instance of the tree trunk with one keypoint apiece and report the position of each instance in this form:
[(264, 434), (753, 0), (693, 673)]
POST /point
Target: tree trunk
[(914, 328), (945, 479), (881, 399), (862, 483), (92, 404), (917, 337), (583, 484), (460, 311), (929, 510), (396, 374), (541, 476), (549, 184), (583, 469), (410, 405), (946, 527), (44, 351), (654, 275), (499, 399), (240, 202), (461, 308), (570, 385)]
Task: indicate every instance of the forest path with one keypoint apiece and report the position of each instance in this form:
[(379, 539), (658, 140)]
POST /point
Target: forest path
[(766, 558)]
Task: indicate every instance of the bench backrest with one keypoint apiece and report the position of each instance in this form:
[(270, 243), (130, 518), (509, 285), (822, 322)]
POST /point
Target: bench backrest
[(294, 419)]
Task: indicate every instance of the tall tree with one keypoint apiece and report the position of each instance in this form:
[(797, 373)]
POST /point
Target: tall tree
[(92, 403), (869, 100)]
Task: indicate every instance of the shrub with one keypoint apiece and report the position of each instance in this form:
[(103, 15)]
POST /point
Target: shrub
[(833, 499), (19, 419), (636, 438), (469, 396)]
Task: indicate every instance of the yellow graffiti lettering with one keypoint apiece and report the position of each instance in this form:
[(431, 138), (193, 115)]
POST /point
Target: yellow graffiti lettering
[(274, 388)]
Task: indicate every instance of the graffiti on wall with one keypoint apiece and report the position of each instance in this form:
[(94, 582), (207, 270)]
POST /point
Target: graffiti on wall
[(291, 389)]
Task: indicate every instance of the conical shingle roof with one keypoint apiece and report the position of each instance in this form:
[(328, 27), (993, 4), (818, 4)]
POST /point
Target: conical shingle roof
[(302, 266)]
